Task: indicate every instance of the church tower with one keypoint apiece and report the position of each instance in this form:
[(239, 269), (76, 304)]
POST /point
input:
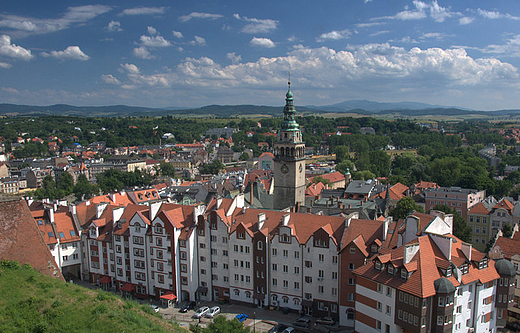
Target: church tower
[(289, 160)]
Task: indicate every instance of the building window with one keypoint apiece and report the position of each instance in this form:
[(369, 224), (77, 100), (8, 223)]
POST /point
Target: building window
[(260, 246), (351, 266), (352, 250)]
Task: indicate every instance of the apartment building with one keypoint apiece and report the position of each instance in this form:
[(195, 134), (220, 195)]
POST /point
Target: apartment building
[(433, 282), (457, 198), (478, 221), (509, 248), (61, 233)]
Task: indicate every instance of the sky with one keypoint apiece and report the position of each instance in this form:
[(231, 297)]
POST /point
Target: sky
[(463, 53)]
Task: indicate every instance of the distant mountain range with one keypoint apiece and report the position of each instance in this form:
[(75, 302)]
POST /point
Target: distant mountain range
[(362, 107)]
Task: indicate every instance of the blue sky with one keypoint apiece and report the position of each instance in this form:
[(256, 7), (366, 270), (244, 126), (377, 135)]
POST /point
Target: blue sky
[(462, 53)]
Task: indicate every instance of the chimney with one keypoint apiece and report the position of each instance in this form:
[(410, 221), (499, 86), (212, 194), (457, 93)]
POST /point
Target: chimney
[(154, 209), (466, 249), (386, 223), (409, 252), (51, 215), (251, 194), (261, 220), (285, 219), (112, 197), (72, 209), (219, 201)]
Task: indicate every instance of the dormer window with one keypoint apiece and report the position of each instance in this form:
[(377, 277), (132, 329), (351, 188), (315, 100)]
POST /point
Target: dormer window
[(284, 238), (241, 235), (483, 263), (92, 232), (374, 248), (404, 274), (390, 269), (464, 269), (378, 266), (448, 272)]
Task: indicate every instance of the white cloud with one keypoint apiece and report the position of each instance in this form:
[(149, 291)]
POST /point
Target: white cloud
[(177, 34), (70, 53), (262, 42), (114, 26), (334, 35), (130, 68), (143, 11), (422, 9), (12, 50), (235, 59), (180, 49), (433, 35), (493, 15), (257, 25), (142, 52), (377, 33), (186, 18), (511, 48), (10, 90), (155, 41), (151, 30), (110, 79), (26, 25), (5, 65), (466, 20), (198, 41)]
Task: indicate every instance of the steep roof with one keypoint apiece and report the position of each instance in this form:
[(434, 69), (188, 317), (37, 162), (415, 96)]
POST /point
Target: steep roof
[(333, 177), (508, 246), (505, 204), (21, 240), (426, 265), (314, 189), (478, 209)]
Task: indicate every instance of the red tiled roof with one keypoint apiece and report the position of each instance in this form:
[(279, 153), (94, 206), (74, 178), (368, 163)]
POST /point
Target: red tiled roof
[(508, 246), (333, 177), (478, 209), (425, 266), (21, 240), (267, 154), (505, 204), (314, 189)]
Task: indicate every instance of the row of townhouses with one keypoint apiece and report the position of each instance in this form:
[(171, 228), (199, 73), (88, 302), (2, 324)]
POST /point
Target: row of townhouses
[(374, 275)]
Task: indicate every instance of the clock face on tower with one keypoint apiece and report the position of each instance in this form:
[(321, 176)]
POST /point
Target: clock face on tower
[(285, 168)]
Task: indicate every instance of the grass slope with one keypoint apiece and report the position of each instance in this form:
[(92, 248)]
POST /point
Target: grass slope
[(32, 302)]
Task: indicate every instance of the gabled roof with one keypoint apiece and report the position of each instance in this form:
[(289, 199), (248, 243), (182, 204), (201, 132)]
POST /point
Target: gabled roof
[(505, 204), (426, 267), (22, 241), (478, 209), (333, 177), (314, 189), (508, 246)]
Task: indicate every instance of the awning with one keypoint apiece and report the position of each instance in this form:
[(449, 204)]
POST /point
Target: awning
[(105, 280), (128, 287), (169, 296), (258, 296), (307, 303), (202, 289)]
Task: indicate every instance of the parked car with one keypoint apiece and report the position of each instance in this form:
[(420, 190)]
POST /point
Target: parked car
[(201, 312), (325, 321), (289, 330), (278, 328), (241, 317), (187, 306), (213, 312), (302, 322)]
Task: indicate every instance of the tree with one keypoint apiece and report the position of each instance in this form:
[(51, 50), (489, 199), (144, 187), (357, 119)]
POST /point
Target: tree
[(84, 189), (212, 168), (220, 325), (65, 183), (507, 231), (167, 169), (320, 179), (344, 166), (404, 207), (460, 228), (341, 153), (365, 174), (244, 157)]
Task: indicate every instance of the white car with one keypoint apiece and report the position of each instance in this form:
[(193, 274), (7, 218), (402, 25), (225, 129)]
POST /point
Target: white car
[(155, 308), (200, 312), (213, 312)]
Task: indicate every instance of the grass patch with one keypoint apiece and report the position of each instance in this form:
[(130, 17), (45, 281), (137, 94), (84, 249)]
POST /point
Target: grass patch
[(32, 302)]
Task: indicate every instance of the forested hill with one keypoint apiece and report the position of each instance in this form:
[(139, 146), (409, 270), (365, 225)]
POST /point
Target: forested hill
[(243, 110)]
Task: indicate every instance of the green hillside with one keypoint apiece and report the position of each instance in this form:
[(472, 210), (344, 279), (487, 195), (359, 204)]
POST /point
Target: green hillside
[(32, 302)]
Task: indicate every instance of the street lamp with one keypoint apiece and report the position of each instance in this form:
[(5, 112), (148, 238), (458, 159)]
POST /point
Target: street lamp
[(254, 322)]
